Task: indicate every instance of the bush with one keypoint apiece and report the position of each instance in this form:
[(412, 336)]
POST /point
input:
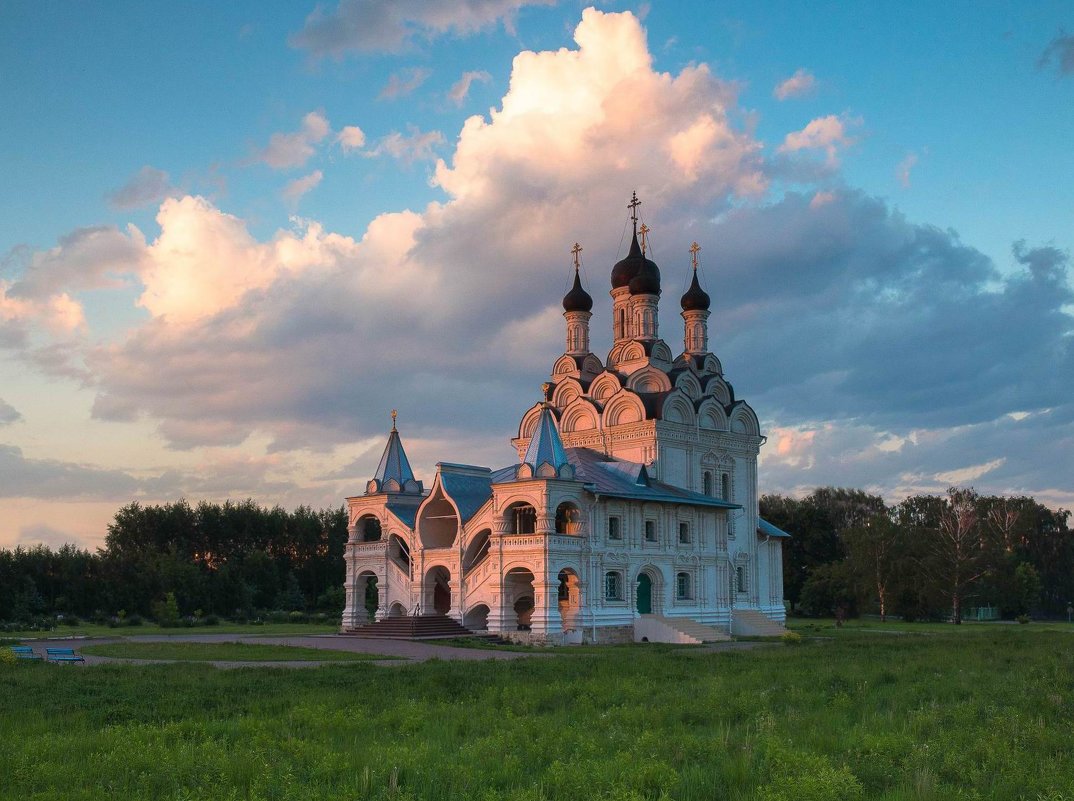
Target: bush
[(1023, 619), (211, 620), (134, 620), (7, 657), (791, 638), (167, 612)]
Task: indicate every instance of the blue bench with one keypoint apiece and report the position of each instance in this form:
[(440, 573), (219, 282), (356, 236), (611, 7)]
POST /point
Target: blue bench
[(63, 655), (24, 652)]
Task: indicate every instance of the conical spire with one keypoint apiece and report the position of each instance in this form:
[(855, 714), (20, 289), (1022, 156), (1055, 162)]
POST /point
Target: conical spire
[(546, 445), (394, 471)]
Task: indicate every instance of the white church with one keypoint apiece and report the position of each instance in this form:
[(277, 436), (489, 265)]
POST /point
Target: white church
[(630, 514)]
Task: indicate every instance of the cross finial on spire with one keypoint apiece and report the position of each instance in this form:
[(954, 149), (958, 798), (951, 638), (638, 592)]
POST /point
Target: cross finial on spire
[(576, 250), (394, 415), (644, 230), (633, 206), (694, 250)]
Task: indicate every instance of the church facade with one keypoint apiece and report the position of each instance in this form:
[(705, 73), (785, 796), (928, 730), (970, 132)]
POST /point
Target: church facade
[(631, 512)]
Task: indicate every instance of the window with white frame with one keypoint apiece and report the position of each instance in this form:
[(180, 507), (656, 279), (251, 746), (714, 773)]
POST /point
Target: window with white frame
[(684, 533), (683, 590), (650, 531), (615, 528), (613, 585)]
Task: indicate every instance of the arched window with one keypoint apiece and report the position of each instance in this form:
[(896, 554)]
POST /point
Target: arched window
[(369, 529), (740, 579), (568, 518), (708, 483), (522, 519), (725, 487), (683, 590), (613, 585)]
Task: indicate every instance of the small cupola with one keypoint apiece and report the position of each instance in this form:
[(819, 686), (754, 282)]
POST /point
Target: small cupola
[(577, 299)]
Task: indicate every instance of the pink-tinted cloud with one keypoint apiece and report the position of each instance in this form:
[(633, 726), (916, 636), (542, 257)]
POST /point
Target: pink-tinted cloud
[(800, 84), (404, 82), (300, 186), (287, 150), (461, 88), (824, 133), (351, 138)]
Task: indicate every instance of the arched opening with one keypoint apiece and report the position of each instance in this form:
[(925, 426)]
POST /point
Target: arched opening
[(396, 610), (368, 528), (476, 551), (477, 619), (708, 483), (439, 523), (437, 588), (518, 594), (366, 594), (570, 598), (568, 518), (521, 518), (648, 592), (399, 552)]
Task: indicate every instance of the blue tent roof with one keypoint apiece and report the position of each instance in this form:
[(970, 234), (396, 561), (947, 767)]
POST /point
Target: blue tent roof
[(545, 444), (393, 463)]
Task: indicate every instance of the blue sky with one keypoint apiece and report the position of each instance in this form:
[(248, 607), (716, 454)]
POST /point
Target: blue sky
[(191, 218)]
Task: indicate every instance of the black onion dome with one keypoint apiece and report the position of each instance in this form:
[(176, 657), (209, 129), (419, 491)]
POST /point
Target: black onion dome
[(647, 281), (627, 268), (696, 298), (577, 299)]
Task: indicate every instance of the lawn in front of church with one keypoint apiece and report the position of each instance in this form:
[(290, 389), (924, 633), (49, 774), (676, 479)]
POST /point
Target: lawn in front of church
[(977, 712)]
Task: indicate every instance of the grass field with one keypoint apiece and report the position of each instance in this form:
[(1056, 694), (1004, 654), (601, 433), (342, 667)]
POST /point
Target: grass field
[(221, 652), (980, 712)]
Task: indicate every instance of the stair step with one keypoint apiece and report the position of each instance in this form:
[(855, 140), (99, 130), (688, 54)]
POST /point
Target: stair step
[(420, 627)]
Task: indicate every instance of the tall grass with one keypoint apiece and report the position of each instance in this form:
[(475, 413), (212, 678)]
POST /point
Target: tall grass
[(981, 714)]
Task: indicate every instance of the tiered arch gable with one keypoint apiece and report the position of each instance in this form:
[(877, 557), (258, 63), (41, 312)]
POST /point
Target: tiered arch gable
[(719, 389), (649, 379), (566, 391), (712, 364), (624, 407), (604, 386), (592, 365), (579, 415), (711, 416), (565, 365), (688, 383), (438, 521), (662, 352), (743, 420), (529, 421), (678, 408)]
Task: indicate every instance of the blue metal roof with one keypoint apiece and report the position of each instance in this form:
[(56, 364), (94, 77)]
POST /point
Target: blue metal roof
[(616, 478), (407, 512), (468, 491), (545, 444), (768, 530)]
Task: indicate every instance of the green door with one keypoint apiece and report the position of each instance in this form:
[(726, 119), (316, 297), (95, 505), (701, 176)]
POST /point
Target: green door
[(645, 594)]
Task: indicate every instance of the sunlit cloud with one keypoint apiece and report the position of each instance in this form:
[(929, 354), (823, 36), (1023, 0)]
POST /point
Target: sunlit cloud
[(800, 84), (287, 150), (405, 82), (461, 88)]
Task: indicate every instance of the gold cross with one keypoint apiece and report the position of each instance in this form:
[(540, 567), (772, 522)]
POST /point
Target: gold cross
[(394, 415), (694, 250), (576, 250), (545, 387), (645, 229), (633, 206)]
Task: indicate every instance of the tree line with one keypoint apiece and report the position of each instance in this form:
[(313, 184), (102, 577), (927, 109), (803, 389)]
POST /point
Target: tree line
[(235, 560), (939, 557)]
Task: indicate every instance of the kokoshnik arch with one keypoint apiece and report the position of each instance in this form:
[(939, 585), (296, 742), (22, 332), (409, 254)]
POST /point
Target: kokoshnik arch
[(632, 512)]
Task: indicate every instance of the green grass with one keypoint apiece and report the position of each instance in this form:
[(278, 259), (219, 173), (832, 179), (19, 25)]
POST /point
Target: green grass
[(221, 652), (96, 630), (976, 713)]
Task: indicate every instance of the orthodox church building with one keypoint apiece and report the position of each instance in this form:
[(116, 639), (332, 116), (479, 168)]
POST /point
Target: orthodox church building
[(631, 512)]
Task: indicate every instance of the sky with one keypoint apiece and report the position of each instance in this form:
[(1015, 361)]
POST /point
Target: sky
[(234, 237)]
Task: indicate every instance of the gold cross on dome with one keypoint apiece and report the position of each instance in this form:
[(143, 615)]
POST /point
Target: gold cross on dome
[(633, 206), (694, 250), (644, 230), (394, 415), (576, 250)]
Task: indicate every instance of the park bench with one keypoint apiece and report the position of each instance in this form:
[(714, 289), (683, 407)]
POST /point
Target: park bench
[(63, 655), (24, 652)]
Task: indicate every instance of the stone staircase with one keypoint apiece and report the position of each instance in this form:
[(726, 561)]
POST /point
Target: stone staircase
[(751, 623), (420, 627), (657, 628)]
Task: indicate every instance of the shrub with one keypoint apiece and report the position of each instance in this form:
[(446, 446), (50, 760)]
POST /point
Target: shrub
[(1023, 619), (791, 638), (7, 657), (134, 620), (167, 612), (211, 620)]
